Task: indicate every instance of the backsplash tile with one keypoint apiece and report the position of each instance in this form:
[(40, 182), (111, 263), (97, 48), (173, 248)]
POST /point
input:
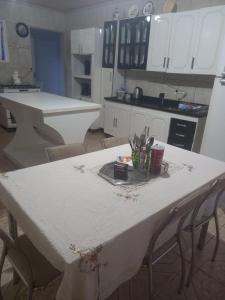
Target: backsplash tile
[(198, 88)]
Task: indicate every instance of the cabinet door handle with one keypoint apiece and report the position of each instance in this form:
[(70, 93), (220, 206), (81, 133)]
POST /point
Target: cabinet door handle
[(180, 135), (192, 63), (148, 131), (181, 125), (116, 122), (178, 145), (164, 62), (168, 63), (113, 122)]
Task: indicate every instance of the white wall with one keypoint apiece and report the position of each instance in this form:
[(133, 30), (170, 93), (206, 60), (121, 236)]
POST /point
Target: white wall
[(20, 48), (94, 16), (198, 88)]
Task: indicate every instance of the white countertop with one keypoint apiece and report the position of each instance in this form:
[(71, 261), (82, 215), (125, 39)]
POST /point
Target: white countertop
[(48, 103)]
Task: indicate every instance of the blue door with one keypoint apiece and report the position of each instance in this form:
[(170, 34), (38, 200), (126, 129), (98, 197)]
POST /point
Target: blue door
[(48, 61)]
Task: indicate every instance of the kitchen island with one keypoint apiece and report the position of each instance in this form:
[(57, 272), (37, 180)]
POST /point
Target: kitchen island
[(61, 120)]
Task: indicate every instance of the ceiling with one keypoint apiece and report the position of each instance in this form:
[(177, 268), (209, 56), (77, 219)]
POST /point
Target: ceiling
[(62, 5)]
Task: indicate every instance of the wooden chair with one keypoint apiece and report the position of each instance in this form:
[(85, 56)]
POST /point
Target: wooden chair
[(200, 220), (168, 235), (30, 265), (114, 141), (66, 151)]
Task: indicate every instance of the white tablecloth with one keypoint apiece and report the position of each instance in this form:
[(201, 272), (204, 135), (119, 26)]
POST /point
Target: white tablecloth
[(94, 232)]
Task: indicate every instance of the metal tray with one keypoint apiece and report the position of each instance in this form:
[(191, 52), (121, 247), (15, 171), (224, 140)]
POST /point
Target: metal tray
[(135, 176)]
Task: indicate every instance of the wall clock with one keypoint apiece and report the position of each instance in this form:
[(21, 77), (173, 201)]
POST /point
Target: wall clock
[(22, 30)]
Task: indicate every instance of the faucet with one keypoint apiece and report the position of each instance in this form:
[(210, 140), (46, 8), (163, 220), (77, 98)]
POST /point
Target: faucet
[(180, 94)]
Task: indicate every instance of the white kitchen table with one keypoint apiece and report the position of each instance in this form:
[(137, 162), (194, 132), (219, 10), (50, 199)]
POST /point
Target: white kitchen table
[(95, 233), (60, 119)]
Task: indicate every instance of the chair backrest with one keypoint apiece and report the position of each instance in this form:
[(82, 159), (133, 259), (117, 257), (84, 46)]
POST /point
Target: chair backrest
[(176, 218), (216, 189), (114, 141), (16, 257), (92, 147), (65, 151)]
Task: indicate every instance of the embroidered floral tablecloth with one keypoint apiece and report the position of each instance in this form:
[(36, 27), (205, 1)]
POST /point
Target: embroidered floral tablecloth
[(95, 233)]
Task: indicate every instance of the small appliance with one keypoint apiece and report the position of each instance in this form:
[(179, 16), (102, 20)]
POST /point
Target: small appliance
[(138, 93)]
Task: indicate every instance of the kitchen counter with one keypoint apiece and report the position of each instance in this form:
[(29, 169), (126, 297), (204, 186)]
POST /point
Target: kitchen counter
[(168, 105)]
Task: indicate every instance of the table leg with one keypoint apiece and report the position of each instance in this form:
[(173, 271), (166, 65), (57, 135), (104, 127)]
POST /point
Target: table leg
[(13, 231), (202, 237), (26, 148)]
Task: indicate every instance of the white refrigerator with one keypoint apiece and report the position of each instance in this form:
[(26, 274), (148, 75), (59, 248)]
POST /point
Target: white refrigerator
[(213, 144)]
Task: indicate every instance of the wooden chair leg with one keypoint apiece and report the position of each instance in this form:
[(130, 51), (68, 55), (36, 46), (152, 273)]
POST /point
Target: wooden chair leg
[(192, 257), (217, 236)]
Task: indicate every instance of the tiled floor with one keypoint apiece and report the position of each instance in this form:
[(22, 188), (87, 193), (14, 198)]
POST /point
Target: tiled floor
[(208, 280)]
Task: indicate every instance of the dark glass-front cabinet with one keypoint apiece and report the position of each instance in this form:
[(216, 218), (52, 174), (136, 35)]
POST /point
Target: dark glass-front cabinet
[(109, 44), (133, 43)]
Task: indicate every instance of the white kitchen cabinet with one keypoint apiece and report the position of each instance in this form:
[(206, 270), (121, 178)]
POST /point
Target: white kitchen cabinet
[(75, 41), (87, 41), (109, 118), (159, 42), (140, 118), (86, 67), (117, 119), (122, 120), (83, 41), (182, 42), (158, 123), (106, 91), (210, 28), (186, 42), (107, 82), (159, 126)]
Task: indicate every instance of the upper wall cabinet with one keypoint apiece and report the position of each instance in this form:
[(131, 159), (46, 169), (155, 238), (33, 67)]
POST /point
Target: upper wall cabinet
[(83, 41), (210, 30), (181, 42), (109, 44), (186, 42), (159, 42), (133, 43)]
